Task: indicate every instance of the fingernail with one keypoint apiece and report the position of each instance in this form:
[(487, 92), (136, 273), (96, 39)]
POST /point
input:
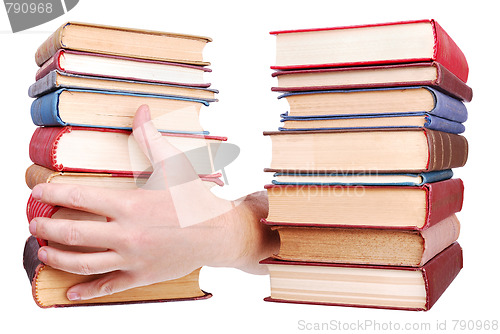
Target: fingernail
[(73, 296), (42, 255), (33, 227), (37, 192)]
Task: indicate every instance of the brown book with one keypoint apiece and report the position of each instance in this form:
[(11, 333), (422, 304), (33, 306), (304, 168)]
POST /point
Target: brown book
[(366, 246), (387, 150), (129, 42), (402, 75), (49, 285), (392, 287)]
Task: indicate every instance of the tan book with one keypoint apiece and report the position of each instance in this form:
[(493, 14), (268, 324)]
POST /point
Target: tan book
[(129, 42), (366, 245)]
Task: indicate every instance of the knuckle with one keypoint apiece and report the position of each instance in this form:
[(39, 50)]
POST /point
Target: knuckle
[(76, 198), (71, 236), (105, 287), (85, 269)]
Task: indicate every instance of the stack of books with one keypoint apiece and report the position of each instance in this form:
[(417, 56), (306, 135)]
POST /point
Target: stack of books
[(363, 196), (91, 80)]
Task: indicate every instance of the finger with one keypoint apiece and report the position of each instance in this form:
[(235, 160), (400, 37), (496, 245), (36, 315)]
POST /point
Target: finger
[(114, 282), (80, 263), (101, 201), (75, 233)]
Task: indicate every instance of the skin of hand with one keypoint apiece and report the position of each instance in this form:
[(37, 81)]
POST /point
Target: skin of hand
[(163, 231)]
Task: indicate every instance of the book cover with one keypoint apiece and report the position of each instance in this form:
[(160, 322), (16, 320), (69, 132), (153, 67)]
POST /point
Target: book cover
[(398, 75), (49, 285), (435, 276), (444, 49)]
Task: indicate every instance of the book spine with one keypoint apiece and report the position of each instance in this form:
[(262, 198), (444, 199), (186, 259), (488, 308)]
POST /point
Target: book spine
[(50, 65), (45, 112), (36, 174), (43, 85), (431, 177), (443, 199), (30, 258), (444, 125), (441, 271), (448, 53), (50, 46), (446, 150), (449, 83), (438, 237), (43, 144), (448, 107)]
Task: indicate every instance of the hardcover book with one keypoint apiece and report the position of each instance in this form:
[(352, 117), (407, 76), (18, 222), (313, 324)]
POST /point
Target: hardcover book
[(120, 41), (403, 207), (364, 102), (366, 245), (386, 43), (94, 108), (365, 285), (91, 64), (381, 150), (400, 75), (49, 285), (55, 80), (100, 150)]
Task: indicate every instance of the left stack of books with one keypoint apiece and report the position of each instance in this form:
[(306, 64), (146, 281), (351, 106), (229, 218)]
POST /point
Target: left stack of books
[(363, 197), (90, 82)]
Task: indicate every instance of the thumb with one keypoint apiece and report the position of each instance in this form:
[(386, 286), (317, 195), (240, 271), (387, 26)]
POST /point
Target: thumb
[(108, 284), (170, 165)]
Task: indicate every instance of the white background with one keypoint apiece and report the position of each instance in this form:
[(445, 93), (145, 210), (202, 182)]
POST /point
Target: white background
[(241, 54)]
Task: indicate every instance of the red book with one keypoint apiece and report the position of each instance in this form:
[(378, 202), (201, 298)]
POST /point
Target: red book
[(430, 74), (105, 150), (109, 66), (371, 44), (397, 207), (365, 285)]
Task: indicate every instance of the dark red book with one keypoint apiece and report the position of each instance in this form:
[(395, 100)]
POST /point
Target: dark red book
[(396, 207), (431, 74), (119, 67), (371, 44), (387, 287), (82, 149), (49, 285)]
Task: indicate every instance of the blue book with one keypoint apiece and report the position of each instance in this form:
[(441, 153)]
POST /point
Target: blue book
[(369, 102), (93, 108), (377, 121), (362, 179)]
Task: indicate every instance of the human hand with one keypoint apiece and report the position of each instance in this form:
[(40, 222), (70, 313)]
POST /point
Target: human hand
[(166, 230)]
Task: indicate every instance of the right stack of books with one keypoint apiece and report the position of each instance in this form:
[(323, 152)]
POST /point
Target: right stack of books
[(91, 80), (363, 197)]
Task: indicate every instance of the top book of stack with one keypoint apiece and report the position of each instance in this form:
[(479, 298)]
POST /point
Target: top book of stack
[(364, 45), (116, 41)]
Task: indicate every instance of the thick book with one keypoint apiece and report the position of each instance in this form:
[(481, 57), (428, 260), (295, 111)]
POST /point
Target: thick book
[(387, 287), (355, 150), (93, 108), (397, 207), (386, 43), (55, 80), (84, 63), (361, 179), (36, 174), (400, 75), (368, 102), (101, 150), (137, 43), (49, 285), (366, 245), (375, 121)]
